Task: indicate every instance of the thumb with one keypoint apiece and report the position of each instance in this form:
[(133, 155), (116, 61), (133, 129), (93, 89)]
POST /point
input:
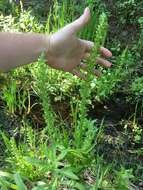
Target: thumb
[(78, 24)]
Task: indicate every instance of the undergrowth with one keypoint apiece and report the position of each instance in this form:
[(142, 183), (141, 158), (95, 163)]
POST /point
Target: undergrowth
[(65, 154)]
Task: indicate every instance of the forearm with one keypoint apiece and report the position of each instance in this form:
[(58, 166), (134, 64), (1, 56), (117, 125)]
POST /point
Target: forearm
[(17, 49)]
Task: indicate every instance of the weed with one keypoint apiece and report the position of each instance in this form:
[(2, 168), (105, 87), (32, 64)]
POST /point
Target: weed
[(63, 154), (9, 96), (136, 87), (123, 179)]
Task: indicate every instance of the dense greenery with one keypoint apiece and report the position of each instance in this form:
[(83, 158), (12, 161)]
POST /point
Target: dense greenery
[(68, 133)]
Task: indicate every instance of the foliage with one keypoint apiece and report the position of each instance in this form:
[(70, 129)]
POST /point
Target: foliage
[(35, 158), (9, 96), (123, 179), (111, 80), (136, 86), (62, 153)]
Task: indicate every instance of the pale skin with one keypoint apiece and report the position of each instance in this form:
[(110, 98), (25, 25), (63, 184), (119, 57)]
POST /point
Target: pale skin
[(63, 50)]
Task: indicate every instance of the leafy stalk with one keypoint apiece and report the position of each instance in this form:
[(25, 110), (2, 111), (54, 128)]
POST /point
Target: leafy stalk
[(85, 91)]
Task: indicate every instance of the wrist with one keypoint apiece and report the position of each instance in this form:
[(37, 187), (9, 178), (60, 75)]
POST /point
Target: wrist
[(46, 44)]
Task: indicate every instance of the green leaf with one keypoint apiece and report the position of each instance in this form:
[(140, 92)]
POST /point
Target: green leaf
[(5, 174), (68, 173), (6, 184), (75, 185), (38, 163), (19, 182), (39, 188), (62, 155)]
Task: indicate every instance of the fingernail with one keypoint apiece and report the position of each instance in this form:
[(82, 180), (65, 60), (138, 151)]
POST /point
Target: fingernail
[(110, 64), (86, 9)]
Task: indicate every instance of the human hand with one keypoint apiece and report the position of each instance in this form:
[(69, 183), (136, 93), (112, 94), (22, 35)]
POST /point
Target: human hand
[(66, 51)]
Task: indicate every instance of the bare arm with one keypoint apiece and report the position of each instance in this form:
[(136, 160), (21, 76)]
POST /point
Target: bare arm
[(64, 51), (17, 49)]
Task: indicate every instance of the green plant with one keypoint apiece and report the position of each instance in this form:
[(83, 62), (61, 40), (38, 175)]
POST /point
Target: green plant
[(61, 154), (136, 128), (136, 87), (43, 91), (101, 172), (9, 7), (9, 96), (111, 80), (7, 23), (140, 42), (35, 158), (85, 91), (123, 179)]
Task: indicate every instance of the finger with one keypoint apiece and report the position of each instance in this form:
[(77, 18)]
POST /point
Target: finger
[(85, 56), (103, 62), (94, 71), (78, 74), (83, 66), (88, 45), (105, 52), (78, 24)]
